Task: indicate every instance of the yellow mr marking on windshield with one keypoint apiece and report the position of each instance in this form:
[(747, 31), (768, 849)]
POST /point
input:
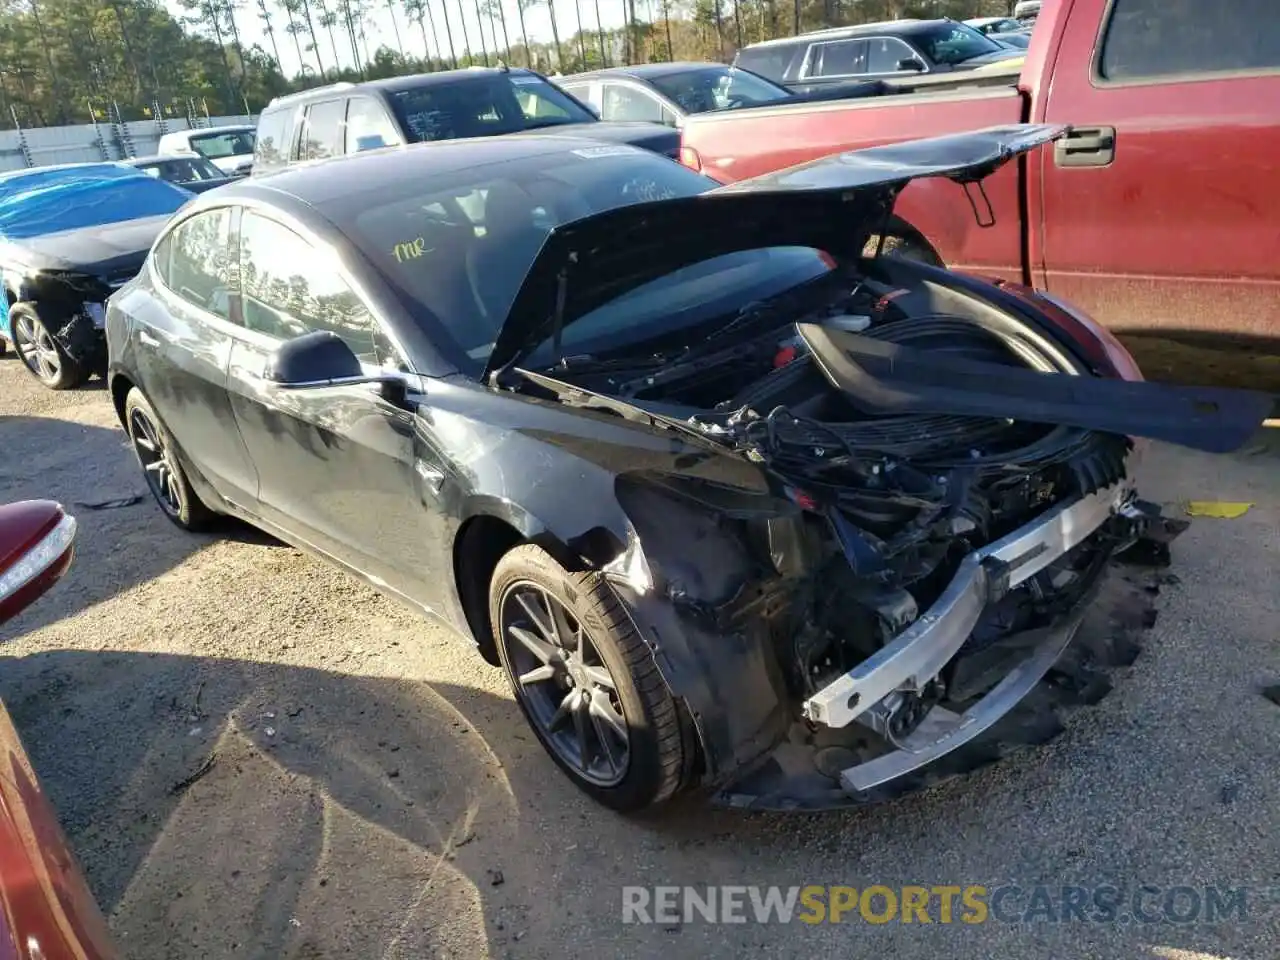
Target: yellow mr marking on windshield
[(410, 250)]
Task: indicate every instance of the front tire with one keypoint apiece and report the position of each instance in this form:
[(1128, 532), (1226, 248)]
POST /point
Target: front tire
[(41, 353), (586, 682), (158, 456)]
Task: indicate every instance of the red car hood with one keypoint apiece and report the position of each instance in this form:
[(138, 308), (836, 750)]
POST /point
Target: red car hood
[(46, 909)]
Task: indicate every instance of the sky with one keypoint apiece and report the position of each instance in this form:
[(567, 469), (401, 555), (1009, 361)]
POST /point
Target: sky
[(379, 30)]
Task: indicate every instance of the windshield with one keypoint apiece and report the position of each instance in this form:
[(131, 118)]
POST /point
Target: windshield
[(484, 105), (220, 146), (459, 251), (45, 202), (954, 43), (718, 88)]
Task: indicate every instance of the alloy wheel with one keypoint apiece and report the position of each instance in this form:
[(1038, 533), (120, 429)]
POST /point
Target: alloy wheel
[(153, 454), (564, 684), (36, 348)]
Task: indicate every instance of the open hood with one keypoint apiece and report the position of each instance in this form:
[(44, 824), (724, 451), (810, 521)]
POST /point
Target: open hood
[(833, 204)]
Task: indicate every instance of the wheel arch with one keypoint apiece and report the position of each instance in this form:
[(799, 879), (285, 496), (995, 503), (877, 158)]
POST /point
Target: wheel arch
[(119, 385), (492, 528), (897, 227)]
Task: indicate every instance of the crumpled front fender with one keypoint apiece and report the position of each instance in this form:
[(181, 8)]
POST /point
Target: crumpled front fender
[(704, 605)]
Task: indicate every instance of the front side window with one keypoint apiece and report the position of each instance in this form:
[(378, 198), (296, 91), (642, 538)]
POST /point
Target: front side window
[(220, 146), (289, 288), (954, 43), (368, 126), (883, 54), (1146, 39), (840, 58), (626, 103), (195, 261), (484, 105), (322, 132), (718, 88)]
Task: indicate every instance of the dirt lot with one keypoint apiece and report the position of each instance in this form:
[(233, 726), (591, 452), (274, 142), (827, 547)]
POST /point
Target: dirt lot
[(373, 792)]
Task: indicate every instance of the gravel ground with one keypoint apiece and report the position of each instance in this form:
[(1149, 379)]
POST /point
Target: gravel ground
[(374, 793)]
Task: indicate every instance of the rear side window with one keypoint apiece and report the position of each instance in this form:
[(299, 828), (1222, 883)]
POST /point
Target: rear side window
[(626, 103), (883, 54), (275, 135), (840, 58), (771, 62), (1147, 39), (368, 126), (195, 261), (322, 132)]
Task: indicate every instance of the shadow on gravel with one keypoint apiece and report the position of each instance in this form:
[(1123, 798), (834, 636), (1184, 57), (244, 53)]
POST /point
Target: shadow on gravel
[(232, 808), (123, 539)]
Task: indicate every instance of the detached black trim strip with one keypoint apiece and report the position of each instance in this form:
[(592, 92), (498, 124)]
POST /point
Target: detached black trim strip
[(886, 378)]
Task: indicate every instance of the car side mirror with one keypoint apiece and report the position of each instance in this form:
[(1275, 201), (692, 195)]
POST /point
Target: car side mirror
[(911, 64), (323, 359), (37, 541)]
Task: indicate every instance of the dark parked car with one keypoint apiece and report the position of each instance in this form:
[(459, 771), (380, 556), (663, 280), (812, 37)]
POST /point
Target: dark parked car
[(69, 235), (871, 51), (668, 92), (197, 174), (347, 118), (731, 502)]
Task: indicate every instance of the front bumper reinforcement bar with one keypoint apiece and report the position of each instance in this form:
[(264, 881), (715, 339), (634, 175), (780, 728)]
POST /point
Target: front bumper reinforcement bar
[(919, 653)]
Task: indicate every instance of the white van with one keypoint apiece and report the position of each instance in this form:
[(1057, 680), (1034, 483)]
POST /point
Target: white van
[(230, 148)]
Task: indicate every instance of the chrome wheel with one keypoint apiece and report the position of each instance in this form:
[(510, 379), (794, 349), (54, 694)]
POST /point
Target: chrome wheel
[(153, 454), (36, 348), (562, 680)]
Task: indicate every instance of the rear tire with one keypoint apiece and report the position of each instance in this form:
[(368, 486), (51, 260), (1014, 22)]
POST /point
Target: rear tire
[(158, 456), (586, 682), (41, 353)]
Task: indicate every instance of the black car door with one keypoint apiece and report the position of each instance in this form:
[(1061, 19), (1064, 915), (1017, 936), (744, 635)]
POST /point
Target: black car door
[(336, 465), (182, 341)]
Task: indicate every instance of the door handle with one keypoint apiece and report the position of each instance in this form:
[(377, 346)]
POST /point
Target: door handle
[(1086, 147)]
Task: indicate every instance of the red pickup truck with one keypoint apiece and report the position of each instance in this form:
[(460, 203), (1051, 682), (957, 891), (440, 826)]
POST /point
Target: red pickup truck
[(1160, 211)]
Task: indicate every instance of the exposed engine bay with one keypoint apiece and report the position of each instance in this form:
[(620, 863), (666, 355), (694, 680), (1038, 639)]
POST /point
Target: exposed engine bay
[(901, 517)]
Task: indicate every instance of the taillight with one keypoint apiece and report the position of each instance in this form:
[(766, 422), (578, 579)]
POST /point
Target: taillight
[(689, 157)]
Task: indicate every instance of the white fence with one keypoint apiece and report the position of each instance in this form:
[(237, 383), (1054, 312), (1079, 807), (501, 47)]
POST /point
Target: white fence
[(89, 142)]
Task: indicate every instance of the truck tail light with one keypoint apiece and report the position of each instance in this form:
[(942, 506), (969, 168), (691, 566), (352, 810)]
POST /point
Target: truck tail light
[(689, 157)]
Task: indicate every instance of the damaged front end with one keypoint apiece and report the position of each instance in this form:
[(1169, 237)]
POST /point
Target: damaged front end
[(909, 584), (71, 305), (944, 547)]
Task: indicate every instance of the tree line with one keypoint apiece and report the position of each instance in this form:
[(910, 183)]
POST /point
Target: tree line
[(70, 61)]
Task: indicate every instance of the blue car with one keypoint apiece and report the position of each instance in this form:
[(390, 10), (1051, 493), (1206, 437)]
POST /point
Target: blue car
[(69, 236)]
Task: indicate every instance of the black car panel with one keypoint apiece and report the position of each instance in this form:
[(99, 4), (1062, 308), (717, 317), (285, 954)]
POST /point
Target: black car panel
[(754, 537)]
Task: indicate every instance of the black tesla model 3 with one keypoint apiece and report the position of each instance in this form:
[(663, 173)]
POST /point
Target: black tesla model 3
[(734, 500)]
